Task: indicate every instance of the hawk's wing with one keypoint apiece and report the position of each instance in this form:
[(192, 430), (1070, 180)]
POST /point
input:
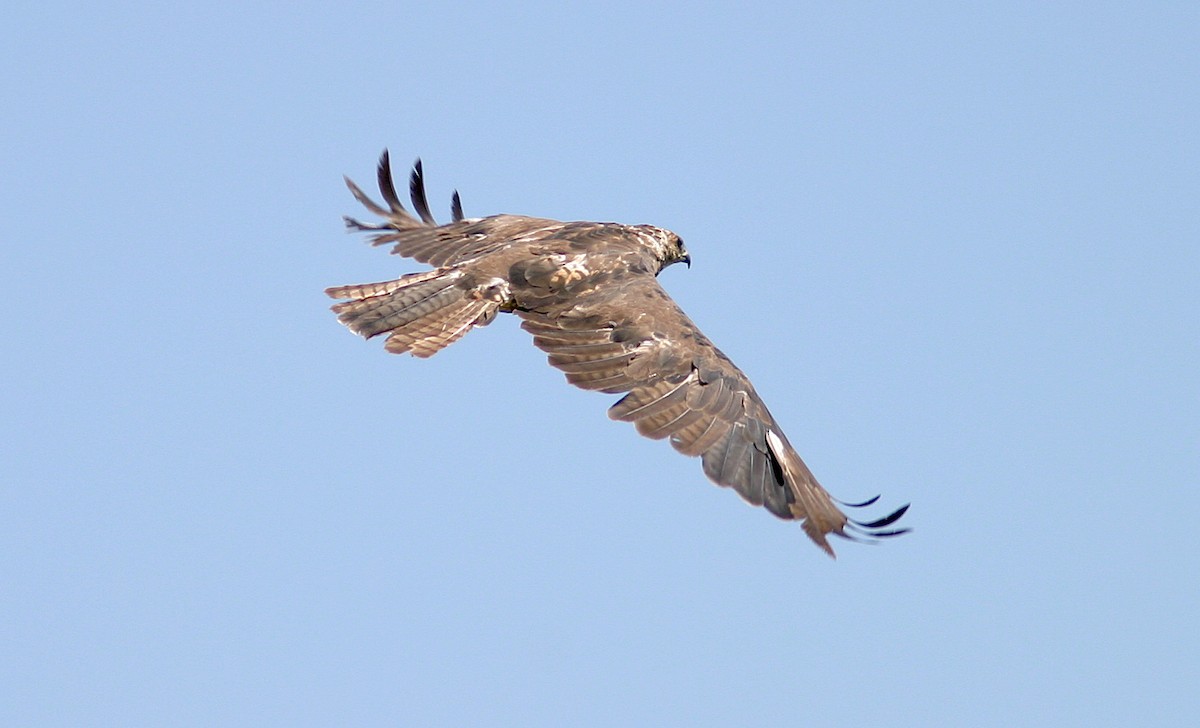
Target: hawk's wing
[(617, 331), (424, 240), (633, 338)]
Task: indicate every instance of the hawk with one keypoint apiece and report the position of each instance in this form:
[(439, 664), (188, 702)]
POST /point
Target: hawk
[(588, 292)]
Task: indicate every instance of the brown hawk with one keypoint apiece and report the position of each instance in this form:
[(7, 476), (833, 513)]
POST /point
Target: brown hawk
[(588, 292)]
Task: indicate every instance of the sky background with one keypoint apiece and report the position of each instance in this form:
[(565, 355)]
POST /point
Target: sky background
[(955, 247)]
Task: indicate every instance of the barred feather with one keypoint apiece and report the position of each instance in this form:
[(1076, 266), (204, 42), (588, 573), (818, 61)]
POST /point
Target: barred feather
[(588, 295)]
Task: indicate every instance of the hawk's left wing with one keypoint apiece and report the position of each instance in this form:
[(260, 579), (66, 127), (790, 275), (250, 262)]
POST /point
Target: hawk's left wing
[(422, 238)]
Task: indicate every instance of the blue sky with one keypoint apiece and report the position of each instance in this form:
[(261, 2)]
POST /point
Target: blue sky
[(954, 247)]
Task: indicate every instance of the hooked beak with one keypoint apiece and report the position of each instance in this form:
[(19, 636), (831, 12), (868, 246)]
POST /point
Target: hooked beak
[(687, 259)]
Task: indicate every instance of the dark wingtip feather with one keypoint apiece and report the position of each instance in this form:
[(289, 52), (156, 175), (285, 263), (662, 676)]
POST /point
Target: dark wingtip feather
[(416, 192), (889, 534), (456, 210), (363, 199), (872, 539), (356, 225), (864, 504), (873, 531), (886, 520), (386, 186)]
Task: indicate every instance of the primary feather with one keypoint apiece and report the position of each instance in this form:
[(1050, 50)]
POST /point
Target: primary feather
[(588, 293)]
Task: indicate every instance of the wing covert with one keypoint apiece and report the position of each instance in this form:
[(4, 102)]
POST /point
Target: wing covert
[(678, 386), (589, 295)]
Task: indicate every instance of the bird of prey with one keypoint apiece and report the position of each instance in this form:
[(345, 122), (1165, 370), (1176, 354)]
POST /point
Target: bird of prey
[(588, 292)]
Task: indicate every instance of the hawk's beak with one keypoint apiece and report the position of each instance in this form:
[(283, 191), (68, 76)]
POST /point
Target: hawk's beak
[(687, 258)]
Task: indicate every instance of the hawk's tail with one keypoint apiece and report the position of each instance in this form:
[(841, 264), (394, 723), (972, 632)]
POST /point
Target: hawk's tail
[(422, 313)]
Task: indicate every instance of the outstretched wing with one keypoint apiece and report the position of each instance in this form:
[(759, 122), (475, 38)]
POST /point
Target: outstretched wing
[(422, 238), (635, 339), (614, 330)]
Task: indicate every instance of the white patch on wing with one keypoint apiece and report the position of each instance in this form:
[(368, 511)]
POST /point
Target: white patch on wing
[(571, 271), (776, 446), (536, 233)]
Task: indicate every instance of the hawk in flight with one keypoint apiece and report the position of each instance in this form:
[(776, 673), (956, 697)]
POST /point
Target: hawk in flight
[(588, 292)]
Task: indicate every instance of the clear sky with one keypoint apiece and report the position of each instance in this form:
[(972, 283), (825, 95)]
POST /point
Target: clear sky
[(955, 248)]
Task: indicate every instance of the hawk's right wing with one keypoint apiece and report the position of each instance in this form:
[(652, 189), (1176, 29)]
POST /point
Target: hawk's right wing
[(632, 338)]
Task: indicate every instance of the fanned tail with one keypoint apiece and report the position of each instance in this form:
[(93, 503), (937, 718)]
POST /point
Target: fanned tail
[(421, 313)]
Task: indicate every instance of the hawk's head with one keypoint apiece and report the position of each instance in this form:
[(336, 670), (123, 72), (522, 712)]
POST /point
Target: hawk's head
[(668, 247)]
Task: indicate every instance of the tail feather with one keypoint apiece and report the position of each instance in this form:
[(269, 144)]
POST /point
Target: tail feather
[(422, 312), (368, 290), (427, 336), (408, 299)]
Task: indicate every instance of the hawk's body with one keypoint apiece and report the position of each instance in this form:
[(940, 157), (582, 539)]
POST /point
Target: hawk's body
[(589, 294)]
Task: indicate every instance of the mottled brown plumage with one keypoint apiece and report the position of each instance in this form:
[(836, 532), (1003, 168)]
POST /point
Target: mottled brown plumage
[(589, 294)]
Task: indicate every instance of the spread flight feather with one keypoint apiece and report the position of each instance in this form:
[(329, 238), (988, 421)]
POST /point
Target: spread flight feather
[(589, 294)]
